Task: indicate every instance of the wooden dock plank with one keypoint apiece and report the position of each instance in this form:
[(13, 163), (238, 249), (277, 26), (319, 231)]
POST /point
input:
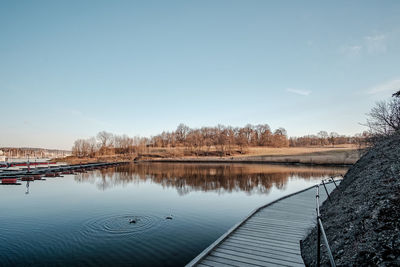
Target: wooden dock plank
[(288, 227), (272, 231), (265, 253), (210, 262), (265, 247), (246, 260), (228, 262), (251, 256), (277, 237), (272, 243), (281, 245), (276, 227), (269, 236), (283, 221)]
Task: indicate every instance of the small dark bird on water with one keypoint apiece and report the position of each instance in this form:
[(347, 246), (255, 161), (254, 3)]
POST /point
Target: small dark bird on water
[(168, 217), (132, 221)]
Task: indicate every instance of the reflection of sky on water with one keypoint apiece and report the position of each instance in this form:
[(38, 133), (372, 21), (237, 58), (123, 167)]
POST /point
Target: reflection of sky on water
[(64, 220)]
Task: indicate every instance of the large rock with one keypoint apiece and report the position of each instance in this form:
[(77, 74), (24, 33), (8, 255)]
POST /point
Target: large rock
[(362, 222)]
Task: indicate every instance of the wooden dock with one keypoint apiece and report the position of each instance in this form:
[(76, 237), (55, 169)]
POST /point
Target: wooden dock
[(269, 236)]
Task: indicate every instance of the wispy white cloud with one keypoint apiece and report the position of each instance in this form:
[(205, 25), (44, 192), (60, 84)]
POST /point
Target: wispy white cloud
[(371, 44), (299, 91), (73, 112), (376, 43), (351, 50), (388, 86)]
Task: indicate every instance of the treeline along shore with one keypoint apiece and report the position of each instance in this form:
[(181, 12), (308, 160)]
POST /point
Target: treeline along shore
[(251, 143)]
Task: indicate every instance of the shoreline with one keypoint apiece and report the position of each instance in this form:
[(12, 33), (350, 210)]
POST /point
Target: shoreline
[(301, 161), (286, 156), (245, 161)]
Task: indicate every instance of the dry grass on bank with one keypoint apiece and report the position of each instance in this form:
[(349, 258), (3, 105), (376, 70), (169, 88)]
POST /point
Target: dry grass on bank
[(286, 151), (249, 151), (323, 155), (343, 154), (334, 157), (112, 158)]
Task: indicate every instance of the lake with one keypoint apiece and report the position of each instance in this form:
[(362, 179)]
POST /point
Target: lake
[(84, 219)]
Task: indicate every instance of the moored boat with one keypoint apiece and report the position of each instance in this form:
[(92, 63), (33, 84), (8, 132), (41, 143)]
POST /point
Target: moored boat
[(9, 181), (27, 178), (37, 177)]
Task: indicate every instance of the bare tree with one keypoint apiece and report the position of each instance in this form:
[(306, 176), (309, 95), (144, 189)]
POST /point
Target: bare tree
[(323, 136), (77, 148), (264, 134), (230, 138), (208, 138), (181, 132), (384, 118), (280, 138), (81, 148), (332, 138), (105, 138), (221, 139), (93, 146), (241, 139)]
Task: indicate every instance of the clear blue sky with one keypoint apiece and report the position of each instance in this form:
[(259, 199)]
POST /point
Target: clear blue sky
[(69, 69)]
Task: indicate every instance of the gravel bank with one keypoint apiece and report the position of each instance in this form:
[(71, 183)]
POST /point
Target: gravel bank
[(362, 222)]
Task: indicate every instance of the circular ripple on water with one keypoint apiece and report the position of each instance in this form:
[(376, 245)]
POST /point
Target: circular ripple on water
[(120, 224)]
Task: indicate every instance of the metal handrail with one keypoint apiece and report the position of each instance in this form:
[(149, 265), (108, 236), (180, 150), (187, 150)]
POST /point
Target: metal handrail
[(320, 229), (333, 180)]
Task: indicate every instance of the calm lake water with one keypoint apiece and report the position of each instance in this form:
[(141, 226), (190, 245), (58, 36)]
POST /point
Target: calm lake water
[(83, 219)]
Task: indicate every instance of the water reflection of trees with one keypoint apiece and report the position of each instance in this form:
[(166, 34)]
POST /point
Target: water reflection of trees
[(206, 177)]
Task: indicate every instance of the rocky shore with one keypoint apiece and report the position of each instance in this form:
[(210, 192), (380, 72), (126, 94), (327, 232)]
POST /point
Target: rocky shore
[(362, 222)]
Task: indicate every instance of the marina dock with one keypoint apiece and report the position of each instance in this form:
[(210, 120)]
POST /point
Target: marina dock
[(26, 172)]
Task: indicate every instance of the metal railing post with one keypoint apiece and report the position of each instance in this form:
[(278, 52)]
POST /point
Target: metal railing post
[(327, 244), (318, 228), (326, 190), (318, 244), (333, 180)]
